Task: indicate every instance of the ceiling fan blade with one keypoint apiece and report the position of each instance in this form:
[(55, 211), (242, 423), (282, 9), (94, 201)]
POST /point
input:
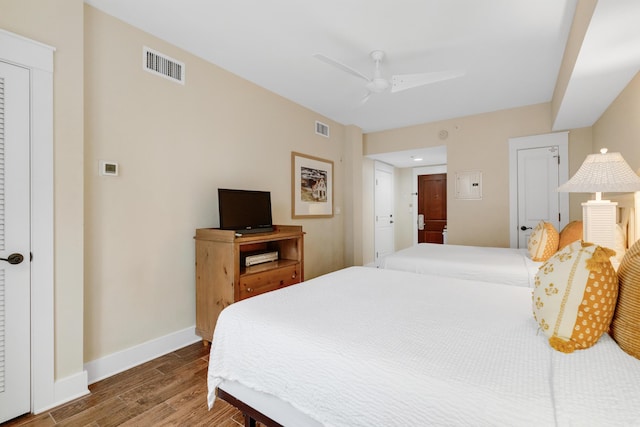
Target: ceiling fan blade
[(340, 65), (365, 99), (407, 81)]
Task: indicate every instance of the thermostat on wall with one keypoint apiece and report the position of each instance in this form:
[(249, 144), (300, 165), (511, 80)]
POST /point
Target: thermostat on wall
[(108, 168)]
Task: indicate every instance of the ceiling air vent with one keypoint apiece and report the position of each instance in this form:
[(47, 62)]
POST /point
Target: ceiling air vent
[(322, 129), (161, 65)]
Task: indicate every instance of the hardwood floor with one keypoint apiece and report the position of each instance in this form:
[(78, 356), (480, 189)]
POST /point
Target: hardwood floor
[(168, 391)]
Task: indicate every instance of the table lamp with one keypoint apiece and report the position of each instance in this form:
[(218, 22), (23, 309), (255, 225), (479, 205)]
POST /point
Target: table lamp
[(604, 172)]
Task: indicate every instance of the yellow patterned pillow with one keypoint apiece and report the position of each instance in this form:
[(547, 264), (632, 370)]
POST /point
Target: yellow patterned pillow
[(575, 296), (543, 241), (625, 327)]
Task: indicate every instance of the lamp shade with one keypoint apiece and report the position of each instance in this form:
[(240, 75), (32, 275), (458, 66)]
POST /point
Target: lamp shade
[(604, 172)]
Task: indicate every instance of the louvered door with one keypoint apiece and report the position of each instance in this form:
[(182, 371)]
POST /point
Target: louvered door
[(15, 354)]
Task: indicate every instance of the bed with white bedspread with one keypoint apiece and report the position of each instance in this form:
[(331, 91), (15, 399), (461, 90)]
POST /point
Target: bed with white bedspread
[(365, 346), (509, 266)]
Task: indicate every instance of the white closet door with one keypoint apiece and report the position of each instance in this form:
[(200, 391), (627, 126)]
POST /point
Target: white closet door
[(384, 223), (538, 199), (15, 353)]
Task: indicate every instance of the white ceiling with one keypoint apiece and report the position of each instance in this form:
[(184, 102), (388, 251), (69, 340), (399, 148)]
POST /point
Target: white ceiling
[(609, 58), (426, 156), (510, 50)]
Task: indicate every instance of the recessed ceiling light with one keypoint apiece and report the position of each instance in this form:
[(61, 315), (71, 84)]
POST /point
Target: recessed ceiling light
[(416, 159)]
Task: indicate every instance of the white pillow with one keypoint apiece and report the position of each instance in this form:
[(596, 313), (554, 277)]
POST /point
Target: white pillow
[(575, 296), (543, 241)]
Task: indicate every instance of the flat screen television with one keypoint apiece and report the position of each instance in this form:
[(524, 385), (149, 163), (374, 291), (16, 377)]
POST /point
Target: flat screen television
[(245, 211)]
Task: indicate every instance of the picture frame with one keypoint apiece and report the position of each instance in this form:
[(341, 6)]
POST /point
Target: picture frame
[(311, 186)]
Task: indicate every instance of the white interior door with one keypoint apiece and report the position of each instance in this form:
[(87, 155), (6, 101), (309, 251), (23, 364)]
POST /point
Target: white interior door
[(15, 354), (537, 189), (537, 164), (384, 222)]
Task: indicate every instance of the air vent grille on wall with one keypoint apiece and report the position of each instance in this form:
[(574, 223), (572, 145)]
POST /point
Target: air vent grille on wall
[(162, 65), (322, 129)]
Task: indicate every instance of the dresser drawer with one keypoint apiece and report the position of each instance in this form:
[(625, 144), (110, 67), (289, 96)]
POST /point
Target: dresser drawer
[(258, 283)]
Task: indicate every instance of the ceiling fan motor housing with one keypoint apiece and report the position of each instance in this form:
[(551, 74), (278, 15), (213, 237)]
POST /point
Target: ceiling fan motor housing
[(378, 85)]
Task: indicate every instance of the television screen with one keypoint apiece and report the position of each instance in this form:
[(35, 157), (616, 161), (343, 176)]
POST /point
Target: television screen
[(245, 211)]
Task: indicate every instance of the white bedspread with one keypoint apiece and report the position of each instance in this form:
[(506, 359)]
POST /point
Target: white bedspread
[(597, 387), (496, 265), (365, 346)]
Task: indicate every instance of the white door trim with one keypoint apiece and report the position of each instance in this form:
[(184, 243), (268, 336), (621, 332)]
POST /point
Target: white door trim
[(38, 58), (387, 169), (561, 139)]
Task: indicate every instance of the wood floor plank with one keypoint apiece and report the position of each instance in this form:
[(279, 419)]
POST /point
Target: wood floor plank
[(151, 417), (168, 391), (102, 392), (41, 420), (163, 388), (196, 349), (112, 407), (197, 414), (197, 394)]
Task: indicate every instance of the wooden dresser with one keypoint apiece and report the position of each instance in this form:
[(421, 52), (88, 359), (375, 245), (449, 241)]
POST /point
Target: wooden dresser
[(222, 277)]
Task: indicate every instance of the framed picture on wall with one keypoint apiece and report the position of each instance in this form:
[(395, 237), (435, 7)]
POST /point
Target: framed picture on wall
[(311, 186)]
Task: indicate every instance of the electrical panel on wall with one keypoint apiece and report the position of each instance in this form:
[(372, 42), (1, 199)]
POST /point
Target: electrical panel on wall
[(469, 185)]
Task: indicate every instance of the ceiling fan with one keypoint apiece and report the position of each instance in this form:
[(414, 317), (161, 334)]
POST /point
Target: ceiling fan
[(399, 82)]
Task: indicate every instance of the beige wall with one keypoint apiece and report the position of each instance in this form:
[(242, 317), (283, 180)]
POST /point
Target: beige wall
[(474, 143), (477, 143), (619, 127), (60, 24), (176, 144), (480, 142), (352, 187), (368, 211), (403, 209), (580, 145)]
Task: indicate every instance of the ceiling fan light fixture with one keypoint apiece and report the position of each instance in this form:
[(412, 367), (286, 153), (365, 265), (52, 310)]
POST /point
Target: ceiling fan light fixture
[(377, 85)]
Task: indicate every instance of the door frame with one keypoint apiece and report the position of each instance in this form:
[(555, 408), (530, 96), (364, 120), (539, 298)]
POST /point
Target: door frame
[(386, 168), (559, 139), (38, 58), (424, 170)]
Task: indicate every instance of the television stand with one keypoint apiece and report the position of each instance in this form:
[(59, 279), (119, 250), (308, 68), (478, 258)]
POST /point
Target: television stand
[(222, 277)]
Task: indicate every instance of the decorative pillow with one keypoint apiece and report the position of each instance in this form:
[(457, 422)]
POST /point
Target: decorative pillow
[(575, 296), (570, 233), (620, 245), (625, 327), (543, 241)]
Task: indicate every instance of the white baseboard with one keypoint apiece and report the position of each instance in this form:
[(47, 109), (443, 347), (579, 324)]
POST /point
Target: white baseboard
[(122, 360)]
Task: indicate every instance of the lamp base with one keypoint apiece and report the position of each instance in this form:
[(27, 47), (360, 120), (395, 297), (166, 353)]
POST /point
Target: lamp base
[(599, 222)]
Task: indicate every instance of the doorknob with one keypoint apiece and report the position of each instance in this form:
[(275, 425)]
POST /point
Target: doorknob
[(525, 228), (13, 258)]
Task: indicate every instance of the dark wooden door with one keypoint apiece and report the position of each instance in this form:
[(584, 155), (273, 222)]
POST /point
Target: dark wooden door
[(432, 203)]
